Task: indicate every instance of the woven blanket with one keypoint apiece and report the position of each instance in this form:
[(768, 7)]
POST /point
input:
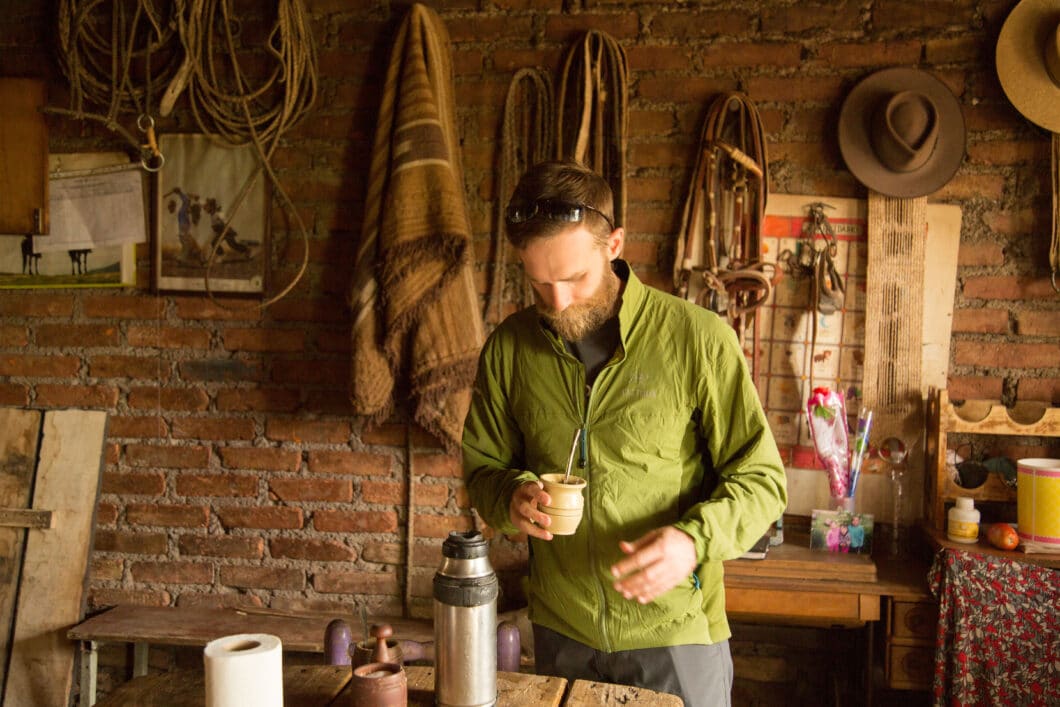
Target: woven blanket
[(414, 305)]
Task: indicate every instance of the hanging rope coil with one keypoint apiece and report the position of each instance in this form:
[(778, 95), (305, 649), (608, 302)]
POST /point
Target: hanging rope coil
[(592, 114), (198, 45), (225, 103), (99, 44), (527, 137)]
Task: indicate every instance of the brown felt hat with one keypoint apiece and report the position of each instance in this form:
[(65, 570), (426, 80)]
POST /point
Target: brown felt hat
[(1028, 61), (901, 132)]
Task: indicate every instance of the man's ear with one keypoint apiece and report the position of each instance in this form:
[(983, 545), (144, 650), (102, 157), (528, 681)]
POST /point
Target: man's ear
[(615, 242)]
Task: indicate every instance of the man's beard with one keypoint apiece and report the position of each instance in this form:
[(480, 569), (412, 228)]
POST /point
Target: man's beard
[(579, 320)]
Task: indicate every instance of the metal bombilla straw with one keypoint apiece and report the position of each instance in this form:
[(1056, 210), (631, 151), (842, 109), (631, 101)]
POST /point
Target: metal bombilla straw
[(573, 449)]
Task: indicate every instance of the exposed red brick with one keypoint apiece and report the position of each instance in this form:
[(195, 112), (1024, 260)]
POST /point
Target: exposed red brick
[(312, 431), (1039, 323), (385, 492), (264, 340), (106, 569), (76, 396), (1004, 287), (272, 518), (123, 306), (100, 598), (316, 372), (168, 398), (981, 321), (106, 513), (14, 394), (171, 572), (356, 582), (261, 458), (121, 366), (173, 516), (167, 337), (1005, 355), (435, 526), (338, 490), (311, 549), (13, 335), (360, 463), (36, 305), (219, 601), (393, 435), (202, 308), (216, 485), (130, 543), (135, 484), (240, 547), (263, 400), (148, 426), (355, 521), (263, 578), (980, 254), (444, 465), (142, 455), (20, 365), (1045, 389), (213, 427)]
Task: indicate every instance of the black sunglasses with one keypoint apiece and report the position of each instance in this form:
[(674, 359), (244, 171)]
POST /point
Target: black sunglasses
[(552, 209)]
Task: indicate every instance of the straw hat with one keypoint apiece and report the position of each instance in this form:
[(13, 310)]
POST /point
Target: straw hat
[(901, 132), (1028, 61)]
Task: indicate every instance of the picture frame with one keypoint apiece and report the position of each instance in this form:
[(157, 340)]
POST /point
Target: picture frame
[(841, 531), (98, 206), (211, 217)]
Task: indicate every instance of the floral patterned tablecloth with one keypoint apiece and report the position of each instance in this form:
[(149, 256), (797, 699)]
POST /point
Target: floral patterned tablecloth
[(998, 639)]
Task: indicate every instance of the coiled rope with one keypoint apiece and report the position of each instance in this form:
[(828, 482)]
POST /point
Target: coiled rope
[(99, 66), (225, 103), (222, 99), (527, 138), (593, 118)]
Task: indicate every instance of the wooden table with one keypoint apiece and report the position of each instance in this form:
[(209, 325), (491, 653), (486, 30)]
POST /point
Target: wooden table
[(323, 685)]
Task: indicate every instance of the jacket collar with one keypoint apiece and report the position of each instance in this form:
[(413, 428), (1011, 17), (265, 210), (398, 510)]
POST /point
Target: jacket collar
[(633, 294)]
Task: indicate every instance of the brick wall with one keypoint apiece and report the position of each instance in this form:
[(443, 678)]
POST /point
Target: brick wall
[(235, 473)]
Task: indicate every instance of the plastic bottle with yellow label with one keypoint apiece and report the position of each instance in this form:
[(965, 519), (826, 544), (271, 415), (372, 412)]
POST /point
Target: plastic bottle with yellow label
[(962, 522)]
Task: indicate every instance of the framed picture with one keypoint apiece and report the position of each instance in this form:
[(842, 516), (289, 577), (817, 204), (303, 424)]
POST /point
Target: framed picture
[(97, 212), (842, 532), (211, 217)]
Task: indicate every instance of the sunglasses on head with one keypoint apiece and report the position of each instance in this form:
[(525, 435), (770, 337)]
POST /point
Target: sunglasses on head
[(552, 209)]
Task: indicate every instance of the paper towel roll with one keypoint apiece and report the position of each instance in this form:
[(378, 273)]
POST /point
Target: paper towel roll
[(244, 669)]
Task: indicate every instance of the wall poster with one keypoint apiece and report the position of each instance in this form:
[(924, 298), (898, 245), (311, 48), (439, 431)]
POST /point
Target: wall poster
[(211, 217)]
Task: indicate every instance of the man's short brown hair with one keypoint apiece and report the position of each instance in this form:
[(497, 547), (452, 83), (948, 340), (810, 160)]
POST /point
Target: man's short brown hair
[(562, 180)]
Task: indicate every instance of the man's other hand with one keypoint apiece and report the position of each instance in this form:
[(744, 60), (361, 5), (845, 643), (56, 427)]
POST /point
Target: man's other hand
[(654, 564)]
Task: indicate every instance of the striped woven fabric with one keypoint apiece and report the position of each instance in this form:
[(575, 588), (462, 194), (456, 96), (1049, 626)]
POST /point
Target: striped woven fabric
[(415, 308)]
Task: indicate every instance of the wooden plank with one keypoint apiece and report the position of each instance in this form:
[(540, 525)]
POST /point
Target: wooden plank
[(303, 686), (181, 626), (795, 560), (55, 567), (513, 689), (25, 518), (24, 145), (19, 436), (585, 693)]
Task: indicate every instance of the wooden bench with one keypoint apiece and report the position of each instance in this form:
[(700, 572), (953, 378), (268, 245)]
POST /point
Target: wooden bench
[(143, 626)]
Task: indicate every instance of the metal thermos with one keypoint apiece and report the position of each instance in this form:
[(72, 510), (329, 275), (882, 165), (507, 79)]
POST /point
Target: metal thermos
[(465, 623)]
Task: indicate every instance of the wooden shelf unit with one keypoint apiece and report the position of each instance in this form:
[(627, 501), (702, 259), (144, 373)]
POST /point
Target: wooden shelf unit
[(983, 417)]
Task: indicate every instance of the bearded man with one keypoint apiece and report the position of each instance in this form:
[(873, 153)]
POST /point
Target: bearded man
[(682, 469)]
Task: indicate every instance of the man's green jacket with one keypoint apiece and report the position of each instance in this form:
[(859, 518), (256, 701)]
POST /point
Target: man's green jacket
[(674, 434)]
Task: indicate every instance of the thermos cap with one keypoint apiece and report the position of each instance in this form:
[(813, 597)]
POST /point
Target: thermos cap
[(468, 545)]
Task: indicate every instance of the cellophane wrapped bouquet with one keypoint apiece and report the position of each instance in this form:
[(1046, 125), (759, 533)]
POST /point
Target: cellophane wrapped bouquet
[(827, 417)]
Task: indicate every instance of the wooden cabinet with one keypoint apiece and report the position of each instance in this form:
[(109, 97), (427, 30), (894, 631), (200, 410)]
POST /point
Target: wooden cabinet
[(909, 662), (976, 417), (24, 151)]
